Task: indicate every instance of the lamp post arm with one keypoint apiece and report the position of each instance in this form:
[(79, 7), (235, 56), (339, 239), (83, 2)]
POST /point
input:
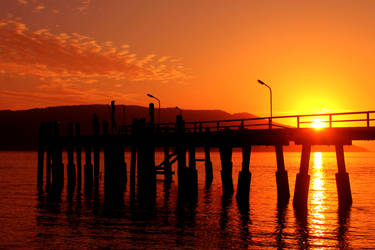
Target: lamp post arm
[(270, 103), (159, 108)]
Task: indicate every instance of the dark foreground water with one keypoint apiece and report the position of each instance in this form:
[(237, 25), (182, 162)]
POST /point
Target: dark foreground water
[(29, 220)]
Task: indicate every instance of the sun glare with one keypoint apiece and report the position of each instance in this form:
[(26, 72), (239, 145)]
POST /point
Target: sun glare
[(318, 124)]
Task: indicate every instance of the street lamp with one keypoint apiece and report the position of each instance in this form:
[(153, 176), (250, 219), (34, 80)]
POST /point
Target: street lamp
[(149, 95), (270, 121), (179, 110)]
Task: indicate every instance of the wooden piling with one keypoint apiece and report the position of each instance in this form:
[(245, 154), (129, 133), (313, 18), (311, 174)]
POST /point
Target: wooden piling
[(96, 148), (122, 168), (301, 189), (88, 169), (48, 156), (226, 169), (191, 175), (78, 155), (282, 181), (41, 147), (244, 176), (146, 163), (167, 166), (57, 165), (342, 178), (71, 169), (181, 154), (133, 158), (208, 167), (107, 156)]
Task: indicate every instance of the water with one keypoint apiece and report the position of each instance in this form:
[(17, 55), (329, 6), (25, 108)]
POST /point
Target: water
[(29, 220)]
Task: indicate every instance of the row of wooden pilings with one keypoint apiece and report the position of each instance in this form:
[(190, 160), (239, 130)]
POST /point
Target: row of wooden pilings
[(143, 169)]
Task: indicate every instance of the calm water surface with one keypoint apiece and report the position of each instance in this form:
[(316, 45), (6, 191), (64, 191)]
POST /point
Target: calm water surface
[(30, 220)]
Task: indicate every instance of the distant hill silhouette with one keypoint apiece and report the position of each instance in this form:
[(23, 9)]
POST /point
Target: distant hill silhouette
[(18, 129)]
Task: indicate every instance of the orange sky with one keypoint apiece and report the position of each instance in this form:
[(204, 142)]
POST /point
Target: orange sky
[(318, 56)]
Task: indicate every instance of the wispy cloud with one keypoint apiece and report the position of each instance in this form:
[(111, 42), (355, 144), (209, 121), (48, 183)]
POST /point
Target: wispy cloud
[(22, 1), (84, 5), (63, 96), (76, 58), (40, 7)]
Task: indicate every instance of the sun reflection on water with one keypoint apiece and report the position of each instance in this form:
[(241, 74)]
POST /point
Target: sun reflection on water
[(318, 205)]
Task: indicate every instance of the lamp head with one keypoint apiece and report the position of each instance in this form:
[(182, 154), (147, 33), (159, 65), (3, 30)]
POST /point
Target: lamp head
[(261, 82), (149, 95)]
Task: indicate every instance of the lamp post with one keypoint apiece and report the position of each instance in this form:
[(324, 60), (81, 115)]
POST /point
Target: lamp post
[(262, 83), (149, 95), (179, 110)]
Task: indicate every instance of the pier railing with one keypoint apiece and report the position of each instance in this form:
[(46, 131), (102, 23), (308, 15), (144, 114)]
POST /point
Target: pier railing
[(344, 119)]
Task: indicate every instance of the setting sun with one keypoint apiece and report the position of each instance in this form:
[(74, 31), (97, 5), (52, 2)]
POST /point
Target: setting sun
[(318, 124)]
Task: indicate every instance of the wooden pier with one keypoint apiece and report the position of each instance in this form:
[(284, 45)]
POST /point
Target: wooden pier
[(181, 139)]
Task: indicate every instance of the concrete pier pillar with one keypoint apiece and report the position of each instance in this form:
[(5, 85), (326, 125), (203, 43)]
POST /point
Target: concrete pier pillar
[(71, 168), (226, 169), (208, 166), (301, 189), (244, 176), (282, 181), (41, 148), (342, 179)]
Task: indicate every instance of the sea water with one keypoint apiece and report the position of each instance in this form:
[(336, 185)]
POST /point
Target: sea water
[(28, 219)]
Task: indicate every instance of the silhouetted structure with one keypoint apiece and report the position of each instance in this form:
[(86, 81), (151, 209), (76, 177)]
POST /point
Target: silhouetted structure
[(175, 140)]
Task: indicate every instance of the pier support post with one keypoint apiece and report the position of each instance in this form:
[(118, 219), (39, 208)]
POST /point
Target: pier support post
[(167, 166), (226, 169), (181, 154), (282, 181), (48, 156), (41, 147), (301, 189), (71, 168), (244, 176), (88, 168), (133, 158), (146, 163), (58, 166), (96, 128), (107, 157), (192, 175), (78, 156), (342, 178), (208, 166), (123, 168)]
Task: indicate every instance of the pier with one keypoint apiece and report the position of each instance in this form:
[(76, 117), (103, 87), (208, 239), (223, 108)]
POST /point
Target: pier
[(179, 142)]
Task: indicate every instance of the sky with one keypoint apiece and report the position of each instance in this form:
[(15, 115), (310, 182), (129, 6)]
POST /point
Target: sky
[(317, 56)]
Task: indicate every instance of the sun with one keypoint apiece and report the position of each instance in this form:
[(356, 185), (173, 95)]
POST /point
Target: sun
[(318, 124)]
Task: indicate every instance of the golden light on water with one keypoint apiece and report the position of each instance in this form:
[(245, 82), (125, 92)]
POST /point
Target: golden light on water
[(318, 200)]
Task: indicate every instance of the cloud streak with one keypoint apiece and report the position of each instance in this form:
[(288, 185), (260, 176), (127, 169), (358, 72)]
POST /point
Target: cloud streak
[(74, 58)]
